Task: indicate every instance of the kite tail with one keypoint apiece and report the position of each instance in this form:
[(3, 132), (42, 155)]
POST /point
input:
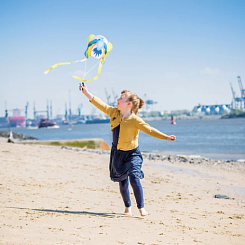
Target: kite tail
[(63, 63)]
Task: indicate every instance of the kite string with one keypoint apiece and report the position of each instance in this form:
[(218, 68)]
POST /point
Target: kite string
[(85, 69), (91, 69)]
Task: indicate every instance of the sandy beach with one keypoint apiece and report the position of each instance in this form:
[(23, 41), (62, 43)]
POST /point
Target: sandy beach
[(51, 195)]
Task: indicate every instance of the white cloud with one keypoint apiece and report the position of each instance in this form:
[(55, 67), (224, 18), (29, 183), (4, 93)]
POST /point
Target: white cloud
[(210, 71)]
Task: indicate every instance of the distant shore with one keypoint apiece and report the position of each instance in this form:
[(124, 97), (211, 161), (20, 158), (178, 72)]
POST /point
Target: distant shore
[(182, 117), (236, 113), (4, 134), (99, 144)]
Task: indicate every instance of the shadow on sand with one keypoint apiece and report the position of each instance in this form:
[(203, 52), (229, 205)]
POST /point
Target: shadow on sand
[(107, 215)]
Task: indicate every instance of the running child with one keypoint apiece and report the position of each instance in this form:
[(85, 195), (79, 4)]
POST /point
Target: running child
[(126, 159)]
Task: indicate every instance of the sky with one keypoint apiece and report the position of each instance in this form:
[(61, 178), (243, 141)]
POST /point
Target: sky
[(178, 53)]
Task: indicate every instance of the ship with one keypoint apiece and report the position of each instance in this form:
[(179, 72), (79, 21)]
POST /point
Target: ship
[(45, 123)]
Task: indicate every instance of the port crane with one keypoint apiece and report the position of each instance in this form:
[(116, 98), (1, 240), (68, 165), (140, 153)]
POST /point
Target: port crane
[(66, 114), (107, 97), (26, 109), (114, 103), (242, 91), (48, 111), (13, 110), (236, 100), (80, 109), (149, 102), (241, 87)]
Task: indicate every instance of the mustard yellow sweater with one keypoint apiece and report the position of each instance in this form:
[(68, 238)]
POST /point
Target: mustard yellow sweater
[(129, 127)]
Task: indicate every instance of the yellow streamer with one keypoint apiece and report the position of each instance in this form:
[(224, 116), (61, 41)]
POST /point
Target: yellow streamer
[(99, 71), (63, 63)]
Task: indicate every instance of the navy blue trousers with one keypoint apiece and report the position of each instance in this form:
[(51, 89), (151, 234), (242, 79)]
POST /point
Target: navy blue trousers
[(137, 189)]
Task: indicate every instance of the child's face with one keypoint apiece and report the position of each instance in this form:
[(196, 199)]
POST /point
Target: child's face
[(122, 102)]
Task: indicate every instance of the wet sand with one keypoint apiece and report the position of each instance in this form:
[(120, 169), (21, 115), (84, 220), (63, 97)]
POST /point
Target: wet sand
[(51, 195)]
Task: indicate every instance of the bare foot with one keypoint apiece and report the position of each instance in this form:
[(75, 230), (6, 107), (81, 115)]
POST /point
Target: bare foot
[(143, 212), (128, 211)]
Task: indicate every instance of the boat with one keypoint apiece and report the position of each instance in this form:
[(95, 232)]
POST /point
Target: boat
[(45, 123), (172, 120), (64, 122), (31, 127), (97, 120), (81, 121)]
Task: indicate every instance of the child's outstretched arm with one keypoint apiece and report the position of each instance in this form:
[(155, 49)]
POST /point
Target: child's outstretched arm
[(96, 101), (146, 128), (85, 91)]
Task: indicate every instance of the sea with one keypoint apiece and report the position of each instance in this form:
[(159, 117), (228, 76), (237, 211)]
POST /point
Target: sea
[(222, 139)]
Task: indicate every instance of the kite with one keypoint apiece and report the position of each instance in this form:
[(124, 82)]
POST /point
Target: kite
[(98, 47)]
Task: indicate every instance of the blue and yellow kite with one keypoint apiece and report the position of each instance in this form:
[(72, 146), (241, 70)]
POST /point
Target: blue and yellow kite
[(98, 47)]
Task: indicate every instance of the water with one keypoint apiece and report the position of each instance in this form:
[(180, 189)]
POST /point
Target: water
[(214, 138)]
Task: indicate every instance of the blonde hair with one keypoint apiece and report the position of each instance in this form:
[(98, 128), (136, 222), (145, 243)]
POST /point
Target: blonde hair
[(137, 102)]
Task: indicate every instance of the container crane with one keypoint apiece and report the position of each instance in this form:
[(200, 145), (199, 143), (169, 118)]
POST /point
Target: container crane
[(233, 92), (114, 95), (66, 118), (80, 109), (26, 109), (241, 87), (236, 100), (107, 97), (149, 102), (15, 110), (50, 109), (114, 103), (35, 112), (48, 115), (242, 91)]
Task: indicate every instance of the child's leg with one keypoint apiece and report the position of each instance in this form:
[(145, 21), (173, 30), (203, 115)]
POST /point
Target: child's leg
[(125, 195), (138, 193)]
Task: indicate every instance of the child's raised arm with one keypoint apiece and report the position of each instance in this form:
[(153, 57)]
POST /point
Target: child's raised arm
[(96, 101), (85, 91)]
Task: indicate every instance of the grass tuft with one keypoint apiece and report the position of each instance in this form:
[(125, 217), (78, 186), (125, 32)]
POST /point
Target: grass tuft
[(55, 143), (81, 144)]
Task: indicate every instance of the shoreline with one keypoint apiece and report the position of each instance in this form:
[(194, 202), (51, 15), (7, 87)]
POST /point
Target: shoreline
[(102, 145), (171, 159), (189, 160), (239, 157)]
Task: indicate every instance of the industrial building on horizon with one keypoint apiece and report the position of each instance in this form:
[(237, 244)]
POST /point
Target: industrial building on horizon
[(16, 120)]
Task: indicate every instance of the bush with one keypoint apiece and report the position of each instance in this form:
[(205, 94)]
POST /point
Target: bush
[(90, 144), (234, 113)]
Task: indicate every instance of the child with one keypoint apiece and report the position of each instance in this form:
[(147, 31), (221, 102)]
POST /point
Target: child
[(126, 159)]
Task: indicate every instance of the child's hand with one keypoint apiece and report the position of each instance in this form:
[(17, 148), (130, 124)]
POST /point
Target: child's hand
[(171, 138), (85, 91), (84, 88)]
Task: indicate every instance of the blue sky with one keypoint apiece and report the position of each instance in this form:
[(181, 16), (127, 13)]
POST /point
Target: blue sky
[(179, 53)]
